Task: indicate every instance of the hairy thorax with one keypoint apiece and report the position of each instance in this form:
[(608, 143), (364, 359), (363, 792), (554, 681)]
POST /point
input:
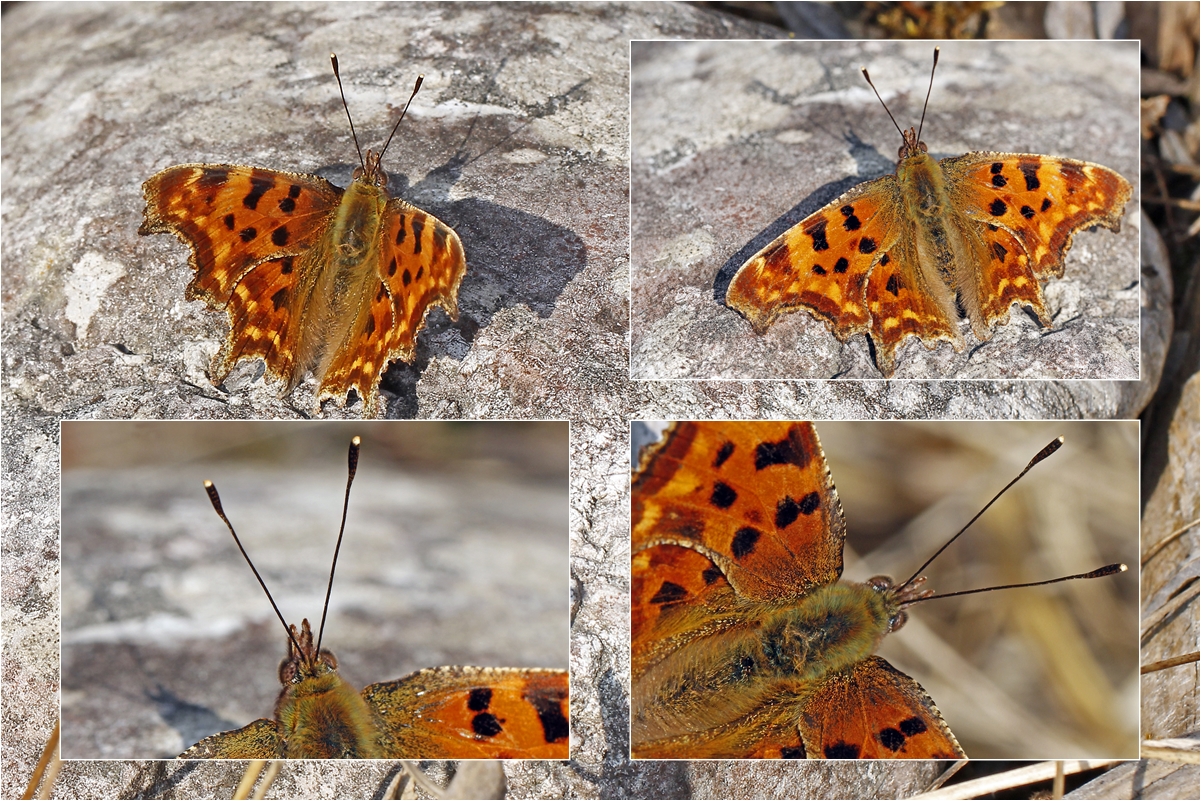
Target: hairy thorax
[(337, 293), (715, 680)]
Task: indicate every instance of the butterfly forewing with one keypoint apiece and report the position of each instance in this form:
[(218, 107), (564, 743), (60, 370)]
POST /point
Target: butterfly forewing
[(757, 503), (1041, 200), (234, 217), (422, 265), (822, 263), (474, 713)]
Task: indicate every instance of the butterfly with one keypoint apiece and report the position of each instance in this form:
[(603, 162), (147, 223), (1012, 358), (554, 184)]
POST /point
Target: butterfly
[(745, 644), (905, 254), (313, 277), (436, 713)]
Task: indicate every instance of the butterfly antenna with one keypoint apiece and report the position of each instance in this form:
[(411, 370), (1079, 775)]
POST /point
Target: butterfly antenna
[(352, 463), (334, 59), (1053, 446), (1108, 570), (927, 103), (215, 499), (882, 103), (416, 88)]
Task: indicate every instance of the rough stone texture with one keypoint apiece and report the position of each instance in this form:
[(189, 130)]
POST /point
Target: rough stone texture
[(1169, 581), (733, 143), (887, 400)]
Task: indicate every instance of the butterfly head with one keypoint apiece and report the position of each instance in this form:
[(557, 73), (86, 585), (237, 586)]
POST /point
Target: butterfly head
[(897, 597), (911, 146), (370, 172), (304, 660)]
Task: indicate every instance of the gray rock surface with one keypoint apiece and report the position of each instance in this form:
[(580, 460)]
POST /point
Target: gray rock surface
[(733, 143)]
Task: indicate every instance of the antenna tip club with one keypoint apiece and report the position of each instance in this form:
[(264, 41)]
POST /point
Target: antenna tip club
[(355, 441), (208, 484), (1122, 568)]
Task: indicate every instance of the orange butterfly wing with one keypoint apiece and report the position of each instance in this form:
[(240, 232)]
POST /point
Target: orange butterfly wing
[(854, 265), (253, 235), (723, 514), (474, 713), (731, 523), (874, 711), (822, 263), (1027, 208), (421, 266)]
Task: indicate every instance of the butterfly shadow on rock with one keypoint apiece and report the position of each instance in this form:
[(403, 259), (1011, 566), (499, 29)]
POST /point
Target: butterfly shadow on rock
[(513, 258)]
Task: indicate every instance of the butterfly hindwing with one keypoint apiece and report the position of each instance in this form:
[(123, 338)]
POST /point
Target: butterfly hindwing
[(874, 711), (262, 318), (474, 713)]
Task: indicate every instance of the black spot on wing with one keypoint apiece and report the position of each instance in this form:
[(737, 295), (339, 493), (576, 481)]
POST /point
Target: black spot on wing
[(418, 227), (550, 715), (723, 495), (486, 724), (1030, 171), (891, 739), (259, 186), (817, 232), (479, 698), (669, 593), (787, 511), (744, 542), (841, 750)]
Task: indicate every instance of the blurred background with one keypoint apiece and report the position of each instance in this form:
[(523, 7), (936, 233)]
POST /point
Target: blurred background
[(456, 552), (1037, 673)]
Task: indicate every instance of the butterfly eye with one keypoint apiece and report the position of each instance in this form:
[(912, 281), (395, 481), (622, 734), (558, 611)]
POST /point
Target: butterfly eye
[(329, 659), (896, 621), (880, 583)]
